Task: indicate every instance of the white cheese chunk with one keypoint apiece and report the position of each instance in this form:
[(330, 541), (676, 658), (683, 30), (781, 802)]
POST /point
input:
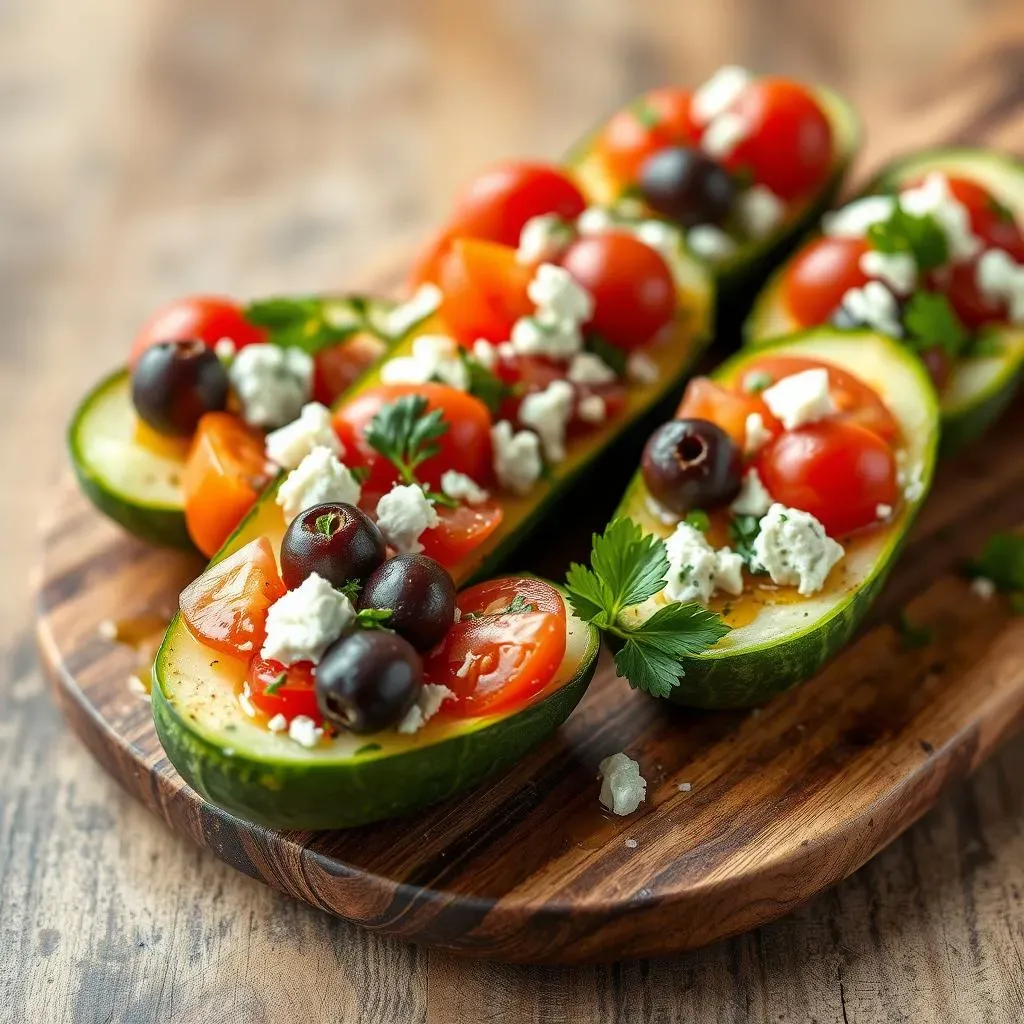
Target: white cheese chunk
[(428, 703), (272, 383), (319, 478), (433, 357), (303, 623), (794, 549), (753, 499), (460, 487), (517, 459), (623, 788), (755, 435), (719, 92), (876, 306), (800, 398), (592, 409), (663, 238), (760, 211), (896, 270), (710, 242), (289, 445), (588, 368), (558, 296), (983, 587), (854, 219), (485, 353), (402, 516), (424, 301), (595, 220), (933, 197), (555, 339), (724, 134), (1001, 280), (548, 412), (225, 350), (304, 731), (278, 723), (642, 369), (543, 238), (696, 570), (883, 511)]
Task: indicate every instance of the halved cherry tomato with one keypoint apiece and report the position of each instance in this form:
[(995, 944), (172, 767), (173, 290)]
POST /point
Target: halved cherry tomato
[(493, 658), (788, 145), (291, 696), (820, 275), (838, 471), (633, 289), (658, 119), (971, 305), (484, 288), (706, 400), (226, 608), (465, 447), (992, 222), (855, 401), (496, 205), (222, 478), (206, 318), (336, 369), (460, 530)]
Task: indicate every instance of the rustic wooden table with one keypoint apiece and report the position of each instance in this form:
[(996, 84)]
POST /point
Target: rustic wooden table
[(246, 146)]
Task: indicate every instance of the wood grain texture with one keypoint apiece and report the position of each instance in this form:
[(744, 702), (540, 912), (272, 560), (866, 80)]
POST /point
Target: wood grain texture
[(149, 149)]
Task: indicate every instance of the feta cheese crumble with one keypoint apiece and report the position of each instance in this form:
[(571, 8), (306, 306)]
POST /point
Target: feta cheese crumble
[(428, 703), (517, 461), (225, 350), (434, 357), (555, 339), (642, 369), (623, 788), (278, 723), (794, 549), (588, 368), (557, 295), (595, 220), (319, 478), (719, 92), (423, 302), (883, 511), (460, 487), (547, 412), (755, 434), (402, 516), (724, 134), (876, 306), (663, 238), (592, 409), (696, 570), (983, 587), (272, 383), (800, 398), (753, 499), (854, 219), (933, 197), (710, 242), (304, 731), (305, 622), (896, 270), (760, 211), (289, 445), (485, 353), (543, 238), (1001, 279)]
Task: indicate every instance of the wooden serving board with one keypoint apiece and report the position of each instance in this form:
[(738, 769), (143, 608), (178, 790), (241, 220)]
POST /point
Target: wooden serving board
[(748, 814)]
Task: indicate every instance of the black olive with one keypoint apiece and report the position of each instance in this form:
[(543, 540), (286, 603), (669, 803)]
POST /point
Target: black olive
[(421, 595), (368, 680), (690, 464), (336, 541), (686, 186), (175, 382)]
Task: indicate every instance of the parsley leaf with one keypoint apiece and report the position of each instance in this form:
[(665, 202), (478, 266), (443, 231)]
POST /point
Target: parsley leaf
[(920, 236), (930, 322), (1002, 561), (744, 530), (310, 323), (351, 589), (519, 606), (632, 564), (328, 524), (404, 433), (276, 685), (483, 384), (373, 618), (609, 354), (698, 519)]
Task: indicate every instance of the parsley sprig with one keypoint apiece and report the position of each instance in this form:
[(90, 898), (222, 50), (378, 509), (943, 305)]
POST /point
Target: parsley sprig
[(931, 322), (627, 567), (1002, 562), (311, 323), (920, 236), (483, 384)]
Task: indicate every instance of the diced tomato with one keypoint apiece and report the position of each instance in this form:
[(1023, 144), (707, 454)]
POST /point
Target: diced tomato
[(337, 368), (633, 288), (820, 275), (855, 401), (206, 318), (484, 288), (226, 608), (788, 143), (460, 531), (465, 447), (277, 690), (658, 119), (222, 478), (839, 472), (706, 400), (494, 658)]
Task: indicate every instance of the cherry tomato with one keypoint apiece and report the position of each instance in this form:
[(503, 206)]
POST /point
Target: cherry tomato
[(496, 205), (205, 318), (706, 400), (971, 305), (633, 289), (658, 119), (485, 290), (788, 145), (226, 608), (223, 476), (839, 472), (465, 447), (855, 401), (992, 222), (500, 659), (820, 275), (337, 368), (291, 697), (460, 530), (526, 374)]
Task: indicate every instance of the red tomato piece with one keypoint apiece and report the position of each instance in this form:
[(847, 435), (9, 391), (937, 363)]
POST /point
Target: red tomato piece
[(465, 447), (838, 471), (971, 305), (500, 659), (820, 275), (460, 531), (205, 318), (337, 368), (291, 696), (226, 608), (992, 222), (633, 289), (706, 400)]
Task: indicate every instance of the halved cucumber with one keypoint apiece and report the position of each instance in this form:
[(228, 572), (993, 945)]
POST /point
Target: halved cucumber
[(266, 777), (138, 484), (780, 639), (752, 262), (980, 387)]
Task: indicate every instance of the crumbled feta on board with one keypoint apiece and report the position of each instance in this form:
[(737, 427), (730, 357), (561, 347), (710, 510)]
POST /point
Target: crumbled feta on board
[(289, 445), (696, 570), (460, 487), (402, 516), (517, 460), (623, 788), (794, 549), (548, 413), (319, 478), (800, 398), (428, 703), (303, 623), (272, 383)]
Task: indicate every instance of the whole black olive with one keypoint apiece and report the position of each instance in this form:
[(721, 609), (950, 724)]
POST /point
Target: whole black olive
[(690, 464), (336, 541), (421, 595), (686, 186), (368, 680), (175, 382)]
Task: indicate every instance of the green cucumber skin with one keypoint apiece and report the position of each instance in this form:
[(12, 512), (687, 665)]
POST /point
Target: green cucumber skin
[(961, 428), (309, 796)]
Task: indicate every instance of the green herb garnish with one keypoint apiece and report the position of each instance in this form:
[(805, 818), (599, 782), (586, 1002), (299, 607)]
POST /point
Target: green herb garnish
[(919, 236), (646, 114), (757, 381), (519, 606), (368, 748), (698, 519), (404, 433), (328, 524), (913, 636), (1002, 561), (276, 685), (613, 357), (373, 618), (931, 322), (627, 567), (309, 323), (744, 530), (351, 589), (483, 384)]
